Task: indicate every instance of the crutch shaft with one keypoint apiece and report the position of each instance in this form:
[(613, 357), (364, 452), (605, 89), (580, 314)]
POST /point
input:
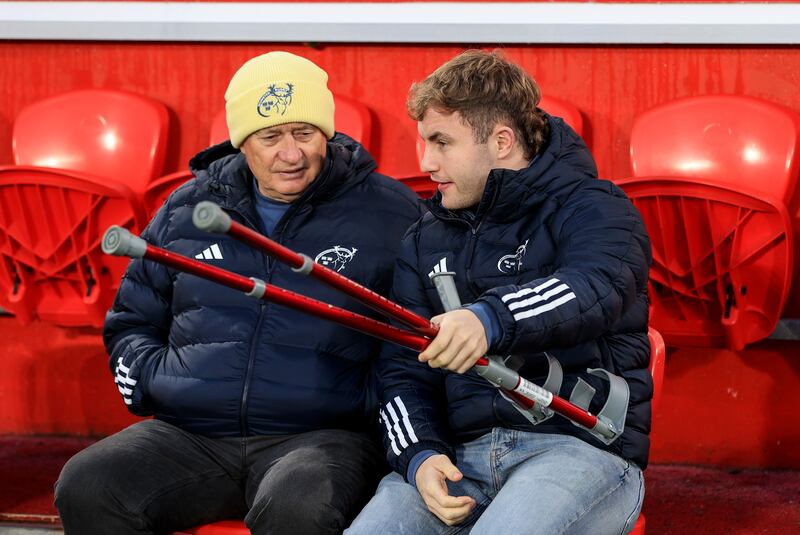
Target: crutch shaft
[(138, 248), (209, 216)]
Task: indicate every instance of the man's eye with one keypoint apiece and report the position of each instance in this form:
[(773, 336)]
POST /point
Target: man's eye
[(303, 134)]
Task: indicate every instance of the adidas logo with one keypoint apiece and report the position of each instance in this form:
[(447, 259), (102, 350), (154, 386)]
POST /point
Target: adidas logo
[(440, 267), (210, 253)]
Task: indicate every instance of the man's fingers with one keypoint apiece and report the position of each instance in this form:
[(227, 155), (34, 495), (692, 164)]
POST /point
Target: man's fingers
[(453, 516), (446, 356), (452, 473), (439, 344)]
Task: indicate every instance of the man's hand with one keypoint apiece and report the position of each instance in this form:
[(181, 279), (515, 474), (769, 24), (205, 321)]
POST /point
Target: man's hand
[(430, 479), (461, 341)]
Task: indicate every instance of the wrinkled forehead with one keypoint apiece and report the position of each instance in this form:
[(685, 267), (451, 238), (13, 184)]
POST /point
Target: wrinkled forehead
[(286, 128)]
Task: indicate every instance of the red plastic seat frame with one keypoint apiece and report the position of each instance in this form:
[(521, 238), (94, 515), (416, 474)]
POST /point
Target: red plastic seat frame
[(722, 260), (51, 226)]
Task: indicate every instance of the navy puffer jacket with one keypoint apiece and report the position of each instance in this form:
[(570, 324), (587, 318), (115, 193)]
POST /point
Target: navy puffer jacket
[(561, 258), (215, 362)]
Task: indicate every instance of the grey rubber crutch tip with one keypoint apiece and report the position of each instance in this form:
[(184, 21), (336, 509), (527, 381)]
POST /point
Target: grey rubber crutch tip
[(119, 241), (209, 216)]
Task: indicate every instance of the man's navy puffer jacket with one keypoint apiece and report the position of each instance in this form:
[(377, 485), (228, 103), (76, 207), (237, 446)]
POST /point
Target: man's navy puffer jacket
[(561, 258), (215, 362)]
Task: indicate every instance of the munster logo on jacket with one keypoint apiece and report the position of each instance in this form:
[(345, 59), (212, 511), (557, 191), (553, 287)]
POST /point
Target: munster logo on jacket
[(512, 263), (336, 258)]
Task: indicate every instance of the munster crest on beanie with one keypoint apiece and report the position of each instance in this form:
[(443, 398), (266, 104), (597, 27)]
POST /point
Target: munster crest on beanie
[(277, 88)]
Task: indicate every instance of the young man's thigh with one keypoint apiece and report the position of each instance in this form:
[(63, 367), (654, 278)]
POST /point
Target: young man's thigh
[(557, 484), (398, 509)]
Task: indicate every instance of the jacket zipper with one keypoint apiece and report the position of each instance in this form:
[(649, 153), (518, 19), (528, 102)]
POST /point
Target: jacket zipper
[(473, 239), (270, 263)]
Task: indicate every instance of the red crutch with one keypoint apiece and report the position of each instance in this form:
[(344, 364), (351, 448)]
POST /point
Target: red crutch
[(208, 216)]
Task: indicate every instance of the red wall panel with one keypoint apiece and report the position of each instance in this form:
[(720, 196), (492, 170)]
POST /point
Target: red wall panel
[(609, 84)]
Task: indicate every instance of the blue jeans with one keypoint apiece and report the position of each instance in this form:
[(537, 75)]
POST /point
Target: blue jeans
[(522, 483)]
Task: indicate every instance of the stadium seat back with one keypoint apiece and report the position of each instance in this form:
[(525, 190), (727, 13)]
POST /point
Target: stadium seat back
[(112, 134), (724, 139), (219, 129), (353, 118)]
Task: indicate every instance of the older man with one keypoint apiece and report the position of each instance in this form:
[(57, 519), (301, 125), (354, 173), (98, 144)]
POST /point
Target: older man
[(259, 411)]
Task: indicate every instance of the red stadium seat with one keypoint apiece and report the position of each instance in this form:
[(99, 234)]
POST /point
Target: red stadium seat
[(658, 354), (111, 134), (354, 119), (566, 110), (737, 141), (425, 187), (722, 260), (158, 190), (51, 225), (219, 129), (225, 527), (82, 159), (740, 144), (658, 358)]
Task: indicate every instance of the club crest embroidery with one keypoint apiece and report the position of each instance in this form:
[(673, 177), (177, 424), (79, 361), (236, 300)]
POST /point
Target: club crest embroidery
[(336, 258), (276, 100), (512, 263)]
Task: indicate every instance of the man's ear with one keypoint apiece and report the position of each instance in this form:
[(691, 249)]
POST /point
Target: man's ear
[(505, 140)]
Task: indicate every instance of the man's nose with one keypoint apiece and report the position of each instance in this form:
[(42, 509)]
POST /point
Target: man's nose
[(428, 163), (290, 151)]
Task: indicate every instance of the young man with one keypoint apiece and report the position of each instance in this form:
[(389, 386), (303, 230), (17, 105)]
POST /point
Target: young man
[(551, 259), (260, 412)]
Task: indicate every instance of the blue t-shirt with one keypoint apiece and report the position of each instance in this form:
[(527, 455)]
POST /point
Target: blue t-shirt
[(269, 210)]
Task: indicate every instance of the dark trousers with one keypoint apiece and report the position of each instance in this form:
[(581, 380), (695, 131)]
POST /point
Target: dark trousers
[(156, 478)]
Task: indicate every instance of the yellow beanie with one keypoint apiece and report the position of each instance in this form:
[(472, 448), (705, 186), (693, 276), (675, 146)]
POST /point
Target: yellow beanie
[(277, 88)]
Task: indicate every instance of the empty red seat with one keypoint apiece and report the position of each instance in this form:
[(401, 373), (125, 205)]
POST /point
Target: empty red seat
[(564, 109), (51, 225), (722, 139), (658, 359), (82, 159), (741, 153), (219, 129), (354, 119), (113, 135), (722, 260)]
